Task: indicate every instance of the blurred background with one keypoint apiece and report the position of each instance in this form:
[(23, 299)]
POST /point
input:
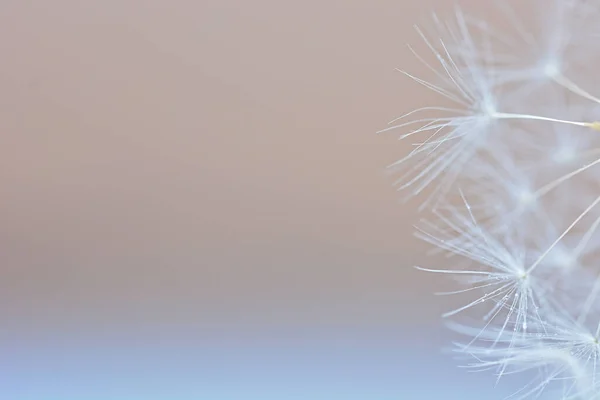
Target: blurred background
[(194, 204)]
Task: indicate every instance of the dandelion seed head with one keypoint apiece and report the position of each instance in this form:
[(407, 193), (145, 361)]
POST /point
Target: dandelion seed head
[(511, 157)]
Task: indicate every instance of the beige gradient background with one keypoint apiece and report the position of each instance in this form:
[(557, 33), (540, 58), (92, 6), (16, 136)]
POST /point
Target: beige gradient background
[(211, 166)]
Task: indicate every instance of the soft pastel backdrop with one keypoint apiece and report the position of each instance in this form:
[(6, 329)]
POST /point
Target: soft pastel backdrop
[(194, 204)]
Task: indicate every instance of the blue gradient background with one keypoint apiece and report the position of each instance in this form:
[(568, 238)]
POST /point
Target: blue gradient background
[(194, 204), (169, 365)]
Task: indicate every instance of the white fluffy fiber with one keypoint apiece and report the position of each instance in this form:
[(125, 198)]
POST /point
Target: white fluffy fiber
[(508, 169)]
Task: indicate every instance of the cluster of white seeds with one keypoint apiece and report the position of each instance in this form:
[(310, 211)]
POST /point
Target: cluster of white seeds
[(507, 169)]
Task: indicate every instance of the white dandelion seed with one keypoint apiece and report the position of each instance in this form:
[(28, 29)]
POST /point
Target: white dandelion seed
[(473, 122)]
